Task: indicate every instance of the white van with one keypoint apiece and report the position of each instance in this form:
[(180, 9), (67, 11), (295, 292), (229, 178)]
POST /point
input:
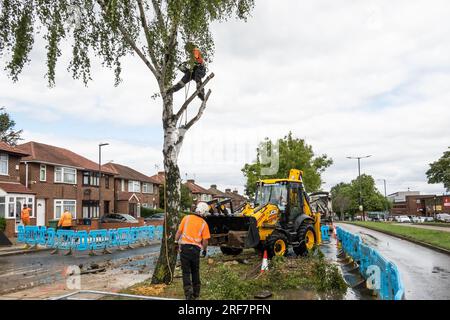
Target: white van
[(403, 219), (443, 217)]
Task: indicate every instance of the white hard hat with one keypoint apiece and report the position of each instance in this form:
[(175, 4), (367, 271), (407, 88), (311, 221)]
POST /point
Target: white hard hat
[(202, 209)]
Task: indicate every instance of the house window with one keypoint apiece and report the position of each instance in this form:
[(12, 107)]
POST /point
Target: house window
[(43, 172), (2, 207), (3, 164), (63, 205), (90, 179), (11, 206), (147, 188), (90, 209), (30, 205), (65, 175), (107, 182), (122, 185), (134, 186)]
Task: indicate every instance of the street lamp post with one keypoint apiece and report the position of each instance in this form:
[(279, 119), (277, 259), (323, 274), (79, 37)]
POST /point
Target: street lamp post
[(100, 177), (435, 198), (385, 193), (361, 208)]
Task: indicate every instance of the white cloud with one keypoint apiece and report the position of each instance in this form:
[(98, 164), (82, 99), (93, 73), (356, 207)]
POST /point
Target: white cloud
[(354, 77)]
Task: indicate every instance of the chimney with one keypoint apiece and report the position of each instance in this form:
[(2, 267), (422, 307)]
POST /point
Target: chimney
[(235, 192), (161, 173), (228, 190), (191, 181), (214, 186)]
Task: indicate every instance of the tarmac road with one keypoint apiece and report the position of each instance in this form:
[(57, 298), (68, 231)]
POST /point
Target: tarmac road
[(425, 272), (30, 270)]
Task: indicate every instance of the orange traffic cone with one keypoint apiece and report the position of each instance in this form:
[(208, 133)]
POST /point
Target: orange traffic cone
[(265, 263)]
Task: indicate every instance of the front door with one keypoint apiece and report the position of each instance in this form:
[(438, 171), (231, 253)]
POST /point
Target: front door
[(132, 209), (40, 212), (19, 205)]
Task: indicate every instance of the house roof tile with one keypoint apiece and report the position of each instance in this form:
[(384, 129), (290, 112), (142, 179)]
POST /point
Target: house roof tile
[(128, 173), (10, 149), (12, 187), (44, 153)]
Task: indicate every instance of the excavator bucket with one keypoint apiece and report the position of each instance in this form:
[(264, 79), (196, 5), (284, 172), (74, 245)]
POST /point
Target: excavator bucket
[(233, 232)]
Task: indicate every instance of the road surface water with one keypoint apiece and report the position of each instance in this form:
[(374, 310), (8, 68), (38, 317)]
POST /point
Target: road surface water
[(425, 272)]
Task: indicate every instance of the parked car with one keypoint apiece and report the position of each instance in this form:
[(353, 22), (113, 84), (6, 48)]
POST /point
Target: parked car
[(417, 219), (118, 218), (428, 219), (403, 219), (157, 216), (443, 217)]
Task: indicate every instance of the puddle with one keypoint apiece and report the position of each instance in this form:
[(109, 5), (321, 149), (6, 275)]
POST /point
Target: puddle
[(351, 277)]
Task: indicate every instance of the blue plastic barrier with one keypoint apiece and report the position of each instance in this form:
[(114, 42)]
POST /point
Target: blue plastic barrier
[(389, 285), (325, 231), (83, 240), (82, 243), (158, 232), (21, 234)]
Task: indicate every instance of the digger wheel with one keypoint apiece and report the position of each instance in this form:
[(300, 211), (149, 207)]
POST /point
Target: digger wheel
[(276, 245), (307, 239), (231, 251)]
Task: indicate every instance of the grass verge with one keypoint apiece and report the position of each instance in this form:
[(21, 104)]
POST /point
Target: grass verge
[(239, 278), (435, 224), (440, 239)]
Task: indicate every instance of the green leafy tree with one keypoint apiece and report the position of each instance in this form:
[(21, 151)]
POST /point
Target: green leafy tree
[(7, 132), (439, 171), (347, 196), (292, 153), (186, 198), (157, 32), (341, 196)]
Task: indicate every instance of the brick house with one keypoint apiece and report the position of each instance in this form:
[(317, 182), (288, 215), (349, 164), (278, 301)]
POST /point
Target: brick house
[(133, 190), (198, 193), (217, 194), (13, 194), (62, 179), (237, 199)]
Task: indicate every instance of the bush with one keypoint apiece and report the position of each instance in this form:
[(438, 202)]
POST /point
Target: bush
[(2, 224), (147, 212)]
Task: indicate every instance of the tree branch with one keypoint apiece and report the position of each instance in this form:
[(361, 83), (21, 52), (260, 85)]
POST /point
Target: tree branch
[(159, 14), (171, 44), (131, 42), (192, 97), (147, 34), (199, 114)]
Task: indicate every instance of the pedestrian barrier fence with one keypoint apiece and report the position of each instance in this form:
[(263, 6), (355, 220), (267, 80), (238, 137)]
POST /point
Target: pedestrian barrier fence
[(381, 274), (325, 232), (82, 240)]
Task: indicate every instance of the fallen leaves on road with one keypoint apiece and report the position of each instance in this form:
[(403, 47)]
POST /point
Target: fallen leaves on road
[(151, 290)]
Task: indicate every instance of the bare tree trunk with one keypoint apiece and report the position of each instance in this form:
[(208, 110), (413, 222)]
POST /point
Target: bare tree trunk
[(165, 266)]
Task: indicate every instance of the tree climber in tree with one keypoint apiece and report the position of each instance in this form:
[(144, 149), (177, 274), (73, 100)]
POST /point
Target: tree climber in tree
[(194, 69)]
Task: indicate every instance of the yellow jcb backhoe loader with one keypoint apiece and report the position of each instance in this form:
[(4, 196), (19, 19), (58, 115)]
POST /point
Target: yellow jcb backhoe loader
[(280, 217)]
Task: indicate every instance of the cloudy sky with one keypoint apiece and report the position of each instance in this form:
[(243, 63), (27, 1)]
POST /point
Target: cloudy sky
[(354, 77)]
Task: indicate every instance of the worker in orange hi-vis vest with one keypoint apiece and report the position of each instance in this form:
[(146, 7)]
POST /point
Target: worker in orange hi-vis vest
[(65, 223), (192, 236), (193, 69), (25, 217)]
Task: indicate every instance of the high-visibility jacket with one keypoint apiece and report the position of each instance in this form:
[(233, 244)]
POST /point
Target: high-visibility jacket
[(198, 56), (65, 220), (25, 216), (193, 230)]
